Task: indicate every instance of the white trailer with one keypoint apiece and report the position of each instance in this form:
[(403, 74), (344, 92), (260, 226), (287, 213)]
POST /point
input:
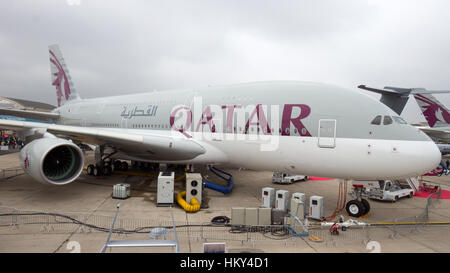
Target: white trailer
[(285, 178), (386, 190), (389, 190)]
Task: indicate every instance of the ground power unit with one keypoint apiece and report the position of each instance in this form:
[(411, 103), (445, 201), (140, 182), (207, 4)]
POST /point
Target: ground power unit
[(302, 197), (165, 188), (282, 200), (297, 208), (268, 197), (193, 187), (316, 207)]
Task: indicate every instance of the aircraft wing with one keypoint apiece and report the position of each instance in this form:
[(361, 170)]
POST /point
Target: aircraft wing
[(29, 114), (441, 133), (161, 147)]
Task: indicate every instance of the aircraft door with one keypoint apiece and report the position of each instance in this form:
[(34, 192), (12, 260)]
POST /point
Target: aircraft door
[(327, 133)]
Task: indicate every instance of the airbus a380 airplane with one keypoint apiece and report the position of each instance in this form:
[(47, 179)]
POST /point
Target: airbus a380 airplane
[(308, 128)]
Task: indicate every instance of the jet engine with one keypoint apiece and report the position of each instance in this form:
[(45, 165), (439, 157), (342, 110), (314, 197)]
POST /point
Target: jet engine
[(54, 161)]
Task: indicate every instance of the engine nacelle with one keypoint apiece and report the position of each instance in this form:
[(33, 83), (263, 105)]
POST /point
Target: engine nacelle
[(54, 161)]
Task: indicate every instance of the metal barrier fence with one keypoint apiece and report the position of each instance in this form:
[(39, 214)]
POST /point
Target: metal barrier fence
[(363, 235), (31, 221), (10, 172), (15, 221)]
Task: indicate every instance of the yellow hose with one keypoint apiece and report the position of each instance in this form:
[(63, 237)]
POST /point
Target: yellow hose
[(185, 205)]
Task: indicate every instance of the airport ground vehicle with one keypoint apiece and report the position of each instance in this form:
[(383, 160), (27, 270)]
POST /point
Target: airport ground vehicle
[(285, 178), (391, 190), (385, 190)]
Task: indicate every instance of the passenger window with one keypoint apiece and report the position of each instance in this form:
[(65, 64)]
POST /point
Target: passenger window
[(399, 120), (376, 120), (387, 120)]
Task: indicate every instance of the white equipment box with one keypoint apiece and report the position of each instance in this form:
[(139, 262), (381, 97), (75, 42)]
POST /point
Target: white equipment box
[(282, 200), (121, 191), (251, 216), (238, 216), (297, 208), (268, 197), (264, 216), (316, 207), (300, 196), (193, 187), (165, 188)]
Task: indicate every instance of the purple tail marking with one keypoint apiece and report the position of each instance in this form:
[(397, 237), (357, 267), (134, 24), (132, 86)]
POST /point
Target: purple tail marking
[(430, 110), (59, 77)]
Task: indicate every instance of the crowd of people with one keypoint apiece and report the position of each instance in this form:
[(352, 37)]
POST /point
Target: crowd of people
[(11, 141)]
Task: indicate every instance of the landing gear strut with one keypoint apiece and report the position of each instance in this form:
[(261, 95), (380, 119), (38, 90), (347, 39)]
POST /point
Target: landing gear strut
[(103, 163), (358, 206)]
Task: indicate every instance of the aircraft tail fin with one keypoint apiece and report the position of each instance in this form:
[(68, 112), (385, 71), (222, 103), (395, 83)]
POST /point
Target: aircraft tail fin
[(60, 77), (436, 114)]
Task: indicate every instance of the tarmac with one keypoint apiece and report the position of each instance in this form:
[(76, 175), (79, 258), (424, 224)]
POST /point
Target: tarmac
[(91, 197)]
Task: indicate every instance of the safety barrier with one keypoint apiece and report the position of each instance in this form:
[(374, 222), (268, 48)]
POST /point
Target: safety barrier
[(10, 172)]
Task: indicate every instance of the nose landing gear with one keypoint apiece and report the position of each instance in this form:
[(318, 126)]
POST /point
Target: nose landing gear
[(359, 206)]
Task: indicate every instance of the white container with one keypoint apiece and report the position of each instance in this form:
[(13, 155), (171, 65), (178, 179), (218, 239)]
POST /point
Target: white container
[(297, 208), (316, 207), (268, 197), (282, 200), (264, 216), (193, 187), (238, 216), (121, 191), (165, 188), (300, 196), (251, 216)]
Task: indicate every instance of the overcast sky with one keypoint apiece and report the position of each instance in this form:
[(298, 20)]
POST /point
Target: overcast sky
[(120, 47)]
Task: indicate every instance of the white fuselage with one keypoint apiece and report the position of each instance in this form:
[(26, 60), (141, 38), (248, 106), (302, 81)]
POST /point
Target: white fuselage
[(303, 128)]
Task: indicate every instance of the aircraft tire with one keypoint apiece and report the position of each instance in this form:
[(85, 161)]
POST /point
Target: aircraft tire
[(90, 169), (97, 171), (107, 170), (355, 208), (124, 166), (366, 206), (117, 165)]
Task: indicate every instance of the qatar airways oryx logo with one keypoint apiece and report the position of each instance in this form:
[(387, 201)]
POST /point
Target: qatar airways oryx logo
[(60, 79), (26, 162), (255, 123), (432, 111)]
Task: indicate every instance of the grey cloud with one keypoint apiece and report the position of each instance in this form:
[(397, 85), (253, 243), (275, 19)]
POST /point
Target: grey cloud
[(116, 47)]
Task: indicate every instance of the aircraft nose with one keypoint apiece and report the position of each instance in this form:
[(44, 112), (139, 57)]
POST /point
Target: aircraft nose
[(426, 157)]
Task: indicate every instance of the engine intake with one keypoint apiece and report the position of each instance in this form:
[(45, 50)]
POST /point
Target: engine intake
[(53, 161)]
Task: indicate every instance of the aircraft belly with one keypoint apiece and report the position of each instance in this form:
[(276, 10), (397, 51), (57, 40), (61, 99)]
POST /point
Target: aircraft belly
[(351, 158)]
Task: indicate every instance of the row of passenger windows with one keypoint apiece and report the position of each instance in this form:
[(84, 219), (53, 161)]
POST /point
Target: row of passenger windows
[(110, 125), (235, 129), (164, 126), (387, 120)]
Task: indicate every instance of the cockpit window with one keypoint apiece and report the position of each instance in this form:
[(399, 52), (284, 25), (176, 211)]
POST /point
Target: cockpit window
[(387, 120), (399, 120), (376, 120)]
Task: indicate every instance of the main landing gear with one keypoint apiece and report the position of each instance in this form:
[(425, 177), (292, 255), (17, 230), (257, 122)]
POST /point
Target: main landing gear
[(104, 164), (106, 168), (359, 206)]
